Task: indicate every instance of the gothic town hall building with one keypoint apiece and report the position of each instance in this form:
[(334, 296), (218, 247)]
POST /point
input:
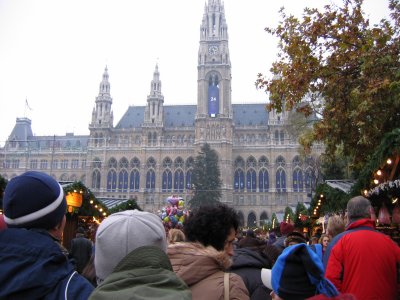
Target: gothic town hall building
[(149, 154)]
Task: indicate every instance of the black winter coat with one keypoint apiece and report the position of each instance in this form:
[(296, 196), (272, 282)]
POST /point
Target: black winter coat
[(247, 264)]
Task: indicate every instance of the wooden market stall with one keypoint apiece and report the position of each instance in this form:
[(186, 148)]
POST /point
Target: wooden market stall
[(379, 181), (83, 210)]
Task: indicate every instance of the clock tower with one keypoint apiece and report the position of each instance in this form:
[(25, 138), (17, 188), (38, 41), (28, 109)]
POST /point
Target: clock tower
[(214, 117), (214, 66)]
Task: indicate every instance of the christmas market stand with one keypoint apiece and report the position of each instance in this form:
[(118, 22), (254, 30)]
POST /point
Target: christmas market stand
[(83, 210), (379, 181)]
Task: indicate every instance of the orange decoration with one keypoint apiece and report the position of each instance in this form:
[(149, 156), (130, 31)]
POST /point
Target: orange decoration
[(74, 199)]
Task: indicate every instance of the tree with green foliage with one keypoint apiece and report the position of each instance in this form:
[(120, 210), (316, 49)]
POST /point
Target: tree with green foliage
[(334, 64), (206, 181), (302, 216), (274, 221), (289, 215)]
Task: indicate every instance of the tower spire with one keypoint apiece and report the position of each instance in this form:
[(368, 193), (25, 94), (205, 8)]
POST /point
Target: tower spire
[(102, 116), (154, 112)]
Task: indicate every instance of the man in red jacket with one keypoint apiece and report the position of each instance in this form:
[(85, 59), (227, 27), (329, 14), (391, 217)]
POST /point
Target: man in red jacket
[(362, 261)]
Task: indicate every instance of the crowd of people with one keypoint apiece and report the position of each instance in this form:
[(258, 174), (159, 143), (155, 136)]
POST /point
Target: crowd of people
[(133, 256)]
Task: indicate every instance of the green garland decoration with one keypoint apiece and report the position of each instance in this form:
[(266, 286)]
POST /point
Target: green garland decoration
[(87, 208), (334, 200), (389, 146)]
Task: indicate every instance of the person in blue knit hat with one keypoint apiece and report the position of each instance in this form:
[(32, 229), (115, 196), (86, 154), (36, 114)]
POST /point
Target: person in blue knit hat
[(33, 265), (297, 274)]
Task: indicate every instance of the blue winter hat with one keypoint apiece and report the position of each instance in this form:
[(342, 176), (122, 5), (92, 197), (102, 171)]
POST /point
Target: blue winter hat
[(34, 200), (298, 274)]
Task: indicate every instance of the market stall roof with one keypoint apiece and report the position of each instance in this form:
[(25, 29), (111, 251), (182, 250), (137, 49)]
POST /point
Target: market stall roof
[(343, 185), (110, 202)]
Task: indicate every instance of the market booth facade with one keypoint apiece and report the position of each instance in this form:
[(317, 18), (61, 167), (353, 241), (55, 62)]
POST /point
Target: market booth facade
[(83, 210)]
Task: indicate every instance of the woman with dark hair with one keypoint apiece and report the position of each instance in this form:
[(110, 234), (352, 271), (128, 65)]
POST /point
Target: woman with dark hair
[(202, 261)]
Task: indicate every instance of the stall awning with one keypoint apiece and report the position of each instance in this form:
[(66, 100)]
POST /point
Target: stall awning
[(110, 203), (343, 185)]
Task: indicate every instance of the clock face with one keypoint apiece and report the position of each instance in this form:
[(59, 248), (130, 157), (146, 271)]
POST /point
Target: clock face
[(213, 49)]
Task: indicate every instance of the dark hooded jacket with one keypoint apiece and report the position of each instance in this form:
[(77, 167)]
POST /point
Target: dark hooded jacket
[(247, 264), (34, 267)]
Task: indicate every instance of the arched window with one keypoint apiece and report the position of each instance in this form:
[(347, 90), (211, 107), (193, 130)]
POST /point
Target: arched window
[(238, 183), (167, 181), (178, 180), (135, 163), (251, 220), (96, 177), (134, 181), (251, 183), (112, 163), (263, 218), (189, 163), (263, 162), (123, 180), (150, 180), (189, 179), (263, 180), (239, 162), (167, 163), (123, 163), (111, 181), (179, 163), (309, 180), (251, 162), (97, 163), (280, 180), (297, 180)]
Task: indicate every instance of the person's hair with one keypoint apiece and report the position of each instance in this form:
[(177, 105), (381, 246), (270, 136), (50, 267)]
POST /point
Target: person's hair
[(89, 271), (335, 226), (313, 240), (358, 208), (322, 238), (210, 225), (175, 235)]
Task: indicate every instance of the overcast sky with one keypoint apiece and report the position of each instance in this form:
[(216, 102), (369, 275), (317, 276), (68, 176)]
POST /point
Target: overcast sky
[(53, 53)]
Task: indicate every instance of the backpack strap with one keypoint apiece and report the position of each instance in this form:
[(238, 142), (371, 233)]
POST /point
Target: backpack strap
[(226, 286)]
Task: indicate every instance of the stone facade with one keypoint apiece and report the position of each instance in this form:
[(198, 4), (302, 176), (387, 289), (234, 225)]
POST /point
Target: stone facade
[(149, 153)]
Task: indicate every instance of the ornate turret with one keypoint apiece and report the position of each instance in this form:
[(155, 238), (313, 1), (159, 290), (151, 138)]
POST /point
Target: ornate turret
[(102, 115), (154, 112)]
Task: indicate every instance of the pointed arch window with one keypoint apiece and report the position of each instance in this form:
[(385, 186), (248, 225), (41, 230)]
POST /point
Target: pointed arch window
[(150, 180), (178, 180), (134, 181), (282, 136), (297, 180), (189, 179), (263, 180), (111, 181), (96, 177), (238, 183), (280, 180), (167, 181), (251, 181), (123, 181), (309, 180)]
